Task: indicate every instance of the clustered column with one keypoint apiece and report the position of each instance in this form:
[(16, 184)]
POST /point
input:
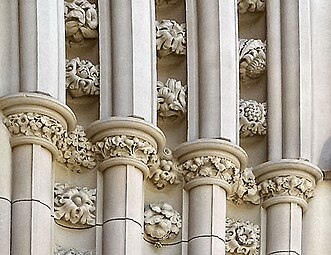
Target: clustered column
[(125, 138), (211, 159)]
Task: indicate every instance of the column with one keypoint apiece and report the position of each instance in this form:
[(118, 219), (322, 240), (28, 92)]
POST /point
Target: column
[(36, 124), (211, 158), (125, 138), (285, 188)]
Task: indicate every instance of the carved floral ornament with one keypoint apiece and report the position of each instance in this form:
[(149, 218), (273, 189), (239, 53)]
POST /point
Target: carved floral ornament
[(242, 237), (82, 78), (252, 59), (170, 38), (71, 251), (74, 204), (171, 98), (245, 6), (161, 222), (253, 118), (81, 21)]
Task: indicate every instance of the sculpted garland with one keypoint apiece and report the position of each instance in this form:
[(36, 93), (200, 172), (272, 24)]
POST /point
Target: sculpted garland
[(171, 98), (242, 237), (81, 21), (252, 59), (170, 38), (82, 78), (253, 118), (74, 204)]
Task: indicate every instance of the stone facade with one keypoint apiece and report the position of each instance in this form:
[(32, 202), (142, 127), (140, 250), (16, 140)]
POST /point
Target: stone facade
[(165, 127)]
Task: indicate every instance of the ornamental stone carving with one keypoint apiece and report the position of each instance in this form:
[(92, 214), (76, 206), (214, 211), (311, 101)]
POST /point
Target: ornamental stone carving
[(245, 6), (61, 251), (252, 59), (161, 3), (253, 118), (288, 185), (166, 171), (126, 146), (81, 21), (170, 38), (75, 150), (82, 78), (242, 237), (161, 222), (74, 204), (171, 98)]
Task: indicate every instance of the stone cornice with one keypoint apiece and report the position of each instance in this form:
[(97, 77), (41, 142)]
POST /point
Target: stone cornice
[(288, 180)]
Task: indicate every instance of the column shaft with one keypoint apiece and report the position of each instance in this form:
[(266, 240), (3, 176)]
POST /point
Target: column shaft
[(41, 47), (32, 192)]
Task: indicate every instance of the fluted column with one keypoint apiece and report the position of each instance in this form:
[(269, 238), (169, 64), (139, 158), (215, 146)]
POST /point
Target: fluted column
[(36, 124), (285, 188), (210, 167)]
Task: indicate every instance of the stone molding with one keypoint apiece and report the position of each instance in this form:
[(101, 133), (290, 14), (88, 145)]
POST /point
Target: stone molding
[(126, 140), (247, 6), (74, 204), (288, 180), (253, 118), (81, 22), (71, 251), (170, 38), (163, 3), (161, 222), (82, 78), (171, 98), (242, 237), (252, 59), (211, 161), (166, 171)]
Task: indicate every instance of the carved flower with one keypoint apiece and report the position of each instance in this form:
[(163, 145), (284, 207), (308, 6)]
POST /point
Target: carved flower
[(81, 21), (162, 222), (170, 38), (252, 55), (82, 78), (245, 6), (171, 98), (74, 204)]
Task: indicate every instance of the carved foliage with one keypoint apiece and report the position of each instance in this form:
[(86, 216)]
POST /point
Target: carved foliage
[(126, 146), (210, 166), (170, 37), (166, 170), (171, 98), (242, 237), (82, 78), (288, 185), (245, 6), (162, 222), (160, 3), (75, 150), (253, 118), (81, 21), (61, 251), (252, 55), (74, 204)]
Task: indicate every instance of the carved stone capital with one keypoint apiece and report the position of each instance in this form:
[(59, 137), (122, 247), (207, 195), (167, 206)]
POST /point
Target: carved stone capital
[(33, 118), (82, 78), (242, 237), (170, 38), (253, 118), (161, 222), (285, 181), (126, 141), (246, 6), (74, 204), (211, 161), (252, 59), (81, 21)]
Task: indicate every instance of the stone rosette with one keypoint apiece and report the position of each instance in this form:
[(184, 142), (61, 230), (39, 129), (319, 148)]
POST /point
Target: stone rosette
[(161, 222), (74, 204)]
